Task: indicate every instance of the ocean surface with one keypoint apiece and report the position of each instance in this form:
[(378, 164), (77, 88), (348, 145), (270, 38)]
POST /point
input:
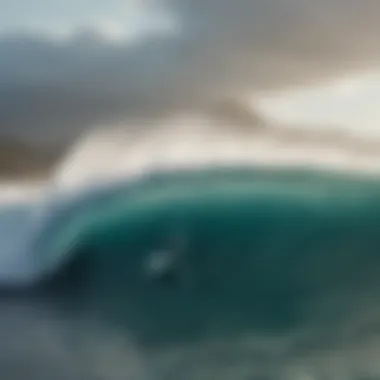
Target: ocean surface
[(199, 271)]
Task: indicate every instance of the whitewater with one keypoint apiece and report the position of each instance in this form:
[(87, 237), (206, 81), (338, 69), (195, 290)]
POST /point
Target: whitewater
[(197, 249), (117, 154)]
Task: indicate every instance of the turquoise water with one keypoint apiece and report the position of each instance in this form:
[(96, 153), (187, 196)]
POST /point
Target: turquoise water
[(259, 251)]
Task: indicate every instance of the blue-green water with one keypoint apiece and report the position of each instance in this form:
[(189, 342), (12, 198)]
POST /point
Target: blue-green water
[(274, 275), (265, 252)]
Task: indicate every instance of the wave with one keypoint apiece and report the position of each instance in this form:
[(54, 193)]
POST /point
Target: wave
[(118, 209), (83, 181), (211, 256), (208, 263)]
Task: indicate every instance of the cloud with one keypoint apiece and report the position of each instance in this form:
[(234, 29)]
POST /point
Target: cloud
[(257, 44), (221, 48)]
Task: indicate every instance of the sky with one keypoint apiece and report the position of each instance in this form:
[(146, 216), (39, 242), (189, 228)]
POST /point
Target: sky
[(116, 18), (351, 103), (68, 65)]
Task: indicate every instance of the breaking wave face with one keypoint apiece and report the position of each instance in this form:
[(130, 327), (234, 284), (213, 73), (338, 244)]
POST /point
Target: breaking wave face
[(210, 272)]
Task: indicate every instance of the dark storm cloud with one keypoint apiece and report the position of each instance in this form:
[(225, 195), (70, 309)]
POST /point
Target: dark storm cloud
[(223, 48)]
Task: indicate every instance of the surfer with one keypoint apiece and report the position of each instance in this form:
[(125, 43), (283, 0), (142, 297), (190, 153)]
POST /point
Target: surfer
[(167, 265)]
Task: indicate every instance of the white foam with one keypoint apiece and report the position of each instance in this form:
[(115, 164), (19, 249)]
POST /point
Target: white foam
[(198, 141)]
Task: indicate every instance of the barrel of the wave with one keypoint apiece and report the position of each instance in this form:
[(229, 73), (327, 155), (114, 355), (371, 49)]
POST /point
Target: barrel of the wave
[(258, 250)]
